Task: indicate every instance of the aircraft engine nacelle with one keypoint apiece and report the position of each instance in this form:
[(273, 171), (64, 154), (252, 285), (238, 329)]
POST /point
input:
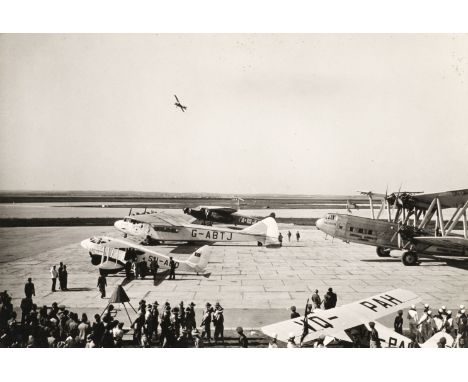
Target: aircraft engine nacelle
[(95, 259)]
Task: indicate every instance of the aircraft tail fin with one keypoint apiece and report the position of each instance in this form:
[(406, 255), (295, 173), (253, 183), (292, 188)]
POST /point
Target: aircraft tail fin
[(200, 258), (266, 227)]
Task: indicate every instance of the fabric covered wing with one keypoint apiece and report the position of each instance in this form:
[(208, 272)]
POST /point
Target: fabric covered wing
[(449, 199), (443, 241), (336, 320)]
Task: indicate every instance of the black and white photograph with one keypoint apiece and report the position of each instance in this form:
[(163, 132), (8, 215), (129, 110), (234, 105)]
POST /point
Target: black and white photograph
[(234, 190)]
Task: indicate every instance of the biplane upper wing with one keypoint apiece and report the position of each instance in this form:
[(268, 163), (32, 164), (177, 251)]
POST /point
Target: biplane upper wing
[(333, 322), (443, 241), (448, 199)]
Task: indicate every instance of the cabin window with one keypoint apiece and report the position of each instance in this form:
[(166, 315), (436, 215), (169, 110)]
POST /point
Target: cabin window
[(360, 230), (351, 229), (341, 227), (369, 232)]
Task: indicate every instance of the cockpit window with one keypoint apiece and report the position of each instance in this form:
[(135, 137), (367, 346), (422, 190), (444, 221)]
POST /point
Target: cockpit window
[(331, 217)]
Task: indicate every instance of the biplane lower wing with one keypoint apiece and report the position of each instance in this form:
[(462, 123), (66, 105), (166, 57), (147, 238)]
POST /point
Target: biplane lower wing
[(443, 241), (333, 322)]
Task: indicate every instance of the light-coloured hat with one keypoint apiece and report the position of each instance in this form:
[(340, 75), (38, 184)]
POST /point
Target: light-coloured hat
[(462, 311), (429, 312), (449, 312), (462, 306), (413, 306), (426, 305), (443, 307)]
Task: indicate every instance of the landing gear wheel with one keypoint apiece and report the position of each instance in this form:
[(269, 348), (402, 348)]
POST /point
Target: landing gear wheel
[(383, 252), (410, 259), (259, 243)]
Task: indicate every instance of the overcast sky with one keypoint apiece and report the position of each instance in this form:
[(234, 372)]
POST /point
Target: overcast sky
[(297, 114)]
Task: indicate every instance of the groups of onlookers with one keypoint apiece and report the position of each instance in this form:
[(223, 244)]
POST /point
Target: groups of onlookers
[(61, 274), (423, 326), (176, 326)]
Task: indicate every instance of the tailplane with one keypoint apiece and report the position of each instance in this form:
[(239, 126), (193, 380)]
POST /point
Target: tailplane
[(266, 227), (199, 259)]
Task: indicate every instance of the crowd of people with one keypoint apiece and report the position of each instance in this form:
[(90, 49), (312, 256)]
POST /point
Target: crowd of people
[(56, 326), (424, 326), (176, 326)]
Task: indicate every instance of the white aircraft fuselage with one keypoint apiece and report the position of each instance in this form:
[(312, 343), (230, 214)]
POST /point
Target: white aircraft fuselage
[(194, 232)]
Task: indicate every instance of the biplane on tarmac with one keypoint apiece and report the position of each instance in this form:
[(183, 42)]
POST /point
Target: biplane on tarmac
[(410, 228), (112, 255), (350, 323)]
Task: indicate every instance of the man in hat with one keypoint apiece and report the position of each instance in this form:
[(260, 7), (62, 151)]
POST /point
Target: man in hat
[(294, 314), (298, 235), (98, 330), (166, 335), (413, 320), (154, 268), (448, 325), (172, 267), (316, 300), (53, 277), (29, 289), (280, 239), (291, 342), (60, 275), (26, 306), (182, 314), (330, 299), (374, 336), (398, 323), (190, 322), (426, 326), (155, 314), (206, 322), (218, 321), (243, 342), (101, 284)]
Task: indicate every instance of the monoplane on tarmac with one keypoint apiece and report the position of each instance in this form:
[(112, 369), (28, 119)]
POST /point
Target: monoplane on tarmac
[(219, 214), (162, 227), (409, 229), (179, 105), (349, 323), (112, 255)]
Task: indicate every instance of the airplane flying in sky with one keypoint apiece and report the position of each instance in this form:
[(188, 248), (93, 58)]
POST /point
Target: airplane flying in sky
[(112, 255), (179, 105), (161, 227), (349, 323), (409, 229)]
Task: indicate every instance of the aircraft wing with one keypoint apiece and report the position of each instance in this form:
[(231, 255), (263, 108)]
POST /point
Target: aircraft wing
[(221, 210), (443, 241), (333, 322), (161, 218), (176, 98), (448, 199)]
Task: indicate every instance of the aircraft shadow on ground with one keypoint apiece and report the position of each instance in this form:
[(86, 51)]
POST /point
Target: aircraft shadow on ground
[(80, 289)]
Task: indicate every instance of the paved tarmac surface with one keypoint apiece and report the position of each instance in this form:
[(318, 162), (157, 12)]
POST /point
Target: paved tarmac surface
[(255, 285)]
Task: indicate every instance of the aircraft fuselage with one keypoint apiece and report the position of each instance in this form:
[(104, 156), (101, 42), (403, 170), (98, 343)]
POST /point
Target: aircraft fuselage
[(378, 233)]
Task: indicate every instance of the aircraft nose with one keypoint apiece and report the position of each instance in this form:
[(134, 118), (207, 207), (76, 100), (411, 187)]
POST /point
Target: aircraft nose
[(319, 224), (86, 244), (118, 224)]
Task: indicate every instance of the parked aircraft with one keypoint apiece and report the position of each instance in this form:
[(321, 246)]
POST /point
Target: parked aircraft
[(162, 227), (406, 230), (224, 214), (340, 324), (112, 255)]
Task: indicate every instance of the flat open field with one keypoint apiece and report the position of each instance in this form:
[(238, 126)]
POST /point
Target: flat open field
[(256, 285)]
